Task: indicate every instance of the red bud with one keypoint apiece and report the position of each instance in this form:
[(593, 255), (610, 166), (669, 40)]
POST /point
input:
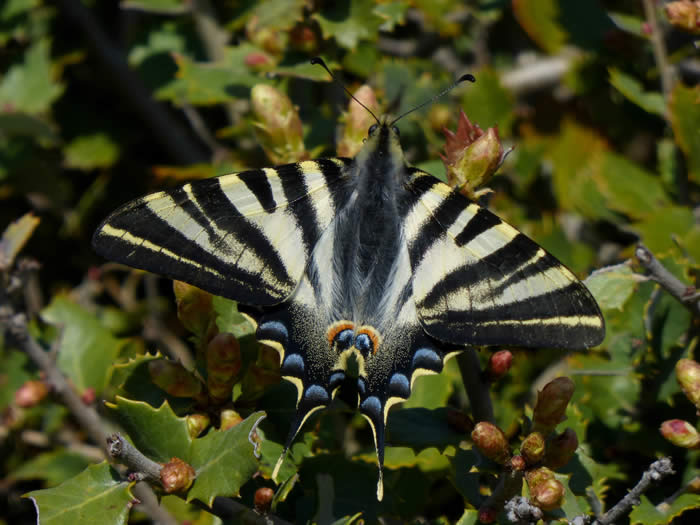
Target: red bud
[(491, 441), (552, 401), (177, 476), (680, 433), (263, 499)]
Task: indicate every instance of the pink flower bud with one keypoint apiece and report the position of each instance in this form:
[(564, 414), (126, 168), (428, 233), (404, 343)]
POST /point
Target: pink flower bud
[(552, 401), (491, 441), (499, 364), (263, 499), (680, 433), (177, 476), (688, 376), (31, 393)]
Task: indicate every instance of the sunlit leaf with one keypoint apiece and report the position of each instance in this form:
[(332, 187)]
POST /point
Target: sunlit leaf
[(685, 118), (633, 90), (87, 152), (613, 287), (97, 495), (15, 237), (646, 513)]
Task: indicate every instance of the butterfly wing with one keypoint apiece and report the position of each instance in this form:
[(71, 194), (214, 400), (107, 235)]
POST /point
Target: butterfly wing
[(477, 280), (246, 236)]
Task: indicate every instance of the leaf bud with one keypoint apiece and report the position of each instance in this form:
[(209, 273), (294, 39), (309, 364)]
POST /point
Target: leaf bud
[(174, 378), (263, 499), (532, 448), (459, 421), (693, 485), (499, 364), (196, 424), (357, 122), (487, 514), (229, 418), (472, 156), (561, 449), (688, 376), (278, 126), (265, 36), (491, 441), (552, 400), (304, 39), (177, 476), (518, 463), (223, 357), (194, 308), (680, 433), (546, 492), (31, 393), (684, 14)]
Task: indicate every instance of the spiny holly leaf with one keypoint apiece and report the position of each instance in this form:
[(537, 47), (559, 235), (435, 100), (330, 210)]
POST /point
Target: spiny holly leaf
[(87, 349), (685, 119), (157, 432), (613, 287), (54, 467), (349, 22), (649, 514), (224, 461), (96, 495), (633, 90)]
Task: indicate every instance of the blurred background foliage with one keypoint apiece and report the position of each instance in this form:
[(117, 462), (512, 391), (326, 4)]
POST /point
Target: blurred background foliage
[(101, 102)]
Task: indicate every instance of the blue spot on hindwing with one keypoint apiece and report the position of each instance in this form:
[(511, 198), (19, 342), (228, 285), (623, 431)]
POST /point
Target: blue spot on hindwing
[(428, 359), (317, 394), (274, 330), (372, 407), (336, 380), (361, 386), (293, 366), (399, 385)]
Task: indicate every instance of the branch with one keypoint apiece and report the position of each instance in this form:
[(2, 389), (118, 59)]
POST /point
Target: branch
[(141, 467), (684, 293), (476, 384), (656, 472), (166, 129), (659, 48)]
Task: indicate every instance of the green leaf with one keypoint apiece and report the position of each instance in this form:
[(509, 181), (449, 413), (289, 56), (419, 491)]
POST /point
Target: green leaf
[(629, 23), (631, 88), (54, 467), (30, 87), (280, 15), (470, 517), (22, 124), (224, 461), (684, 107), (166, 7), (420, 428), (14, 372), (540, 22), (87, 152), (157, 432), (206, 84), (487, 103), (660, 226), (96, 495), (87, 349), (612, 287), (15, 237), (647, 513), (348, 22), (228, 319)]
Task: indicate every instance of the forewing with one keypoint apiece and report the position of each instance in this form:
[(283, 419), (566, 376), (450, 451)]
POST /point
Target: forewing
[(246, 236), (477, 280)]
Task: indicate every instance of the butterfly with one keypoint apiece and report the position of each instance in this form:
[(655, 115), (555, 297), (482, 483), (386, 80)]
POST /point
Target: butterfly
[(364, 270)]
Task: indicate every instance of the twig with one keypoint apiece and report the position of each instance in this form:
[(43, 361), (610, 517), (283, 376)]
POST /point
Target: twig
[(141, 467), (659, 48), (510, 484), (168, 131), (656, 472), (476, 385), (670, 282)]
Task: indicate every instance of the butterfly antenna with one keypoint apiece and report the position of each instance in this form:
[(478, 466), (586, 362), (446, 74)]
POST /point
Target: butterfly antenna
[(319, 61), (444, 92)]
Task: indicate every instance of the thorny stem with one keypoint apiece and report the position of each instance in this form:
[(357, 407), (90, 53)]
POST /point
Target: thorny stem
[(657, 471), (658, 272)]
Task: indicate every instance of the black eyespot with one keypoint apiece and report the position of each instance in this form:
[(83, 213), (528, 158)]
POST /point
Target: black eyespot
[(372, 129), (395, 130)]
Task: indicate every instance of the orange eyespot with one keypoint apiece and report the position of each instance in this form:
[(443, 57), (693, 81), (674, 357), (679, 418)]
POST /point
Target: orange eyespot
[(336, 328), (373, 335)]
